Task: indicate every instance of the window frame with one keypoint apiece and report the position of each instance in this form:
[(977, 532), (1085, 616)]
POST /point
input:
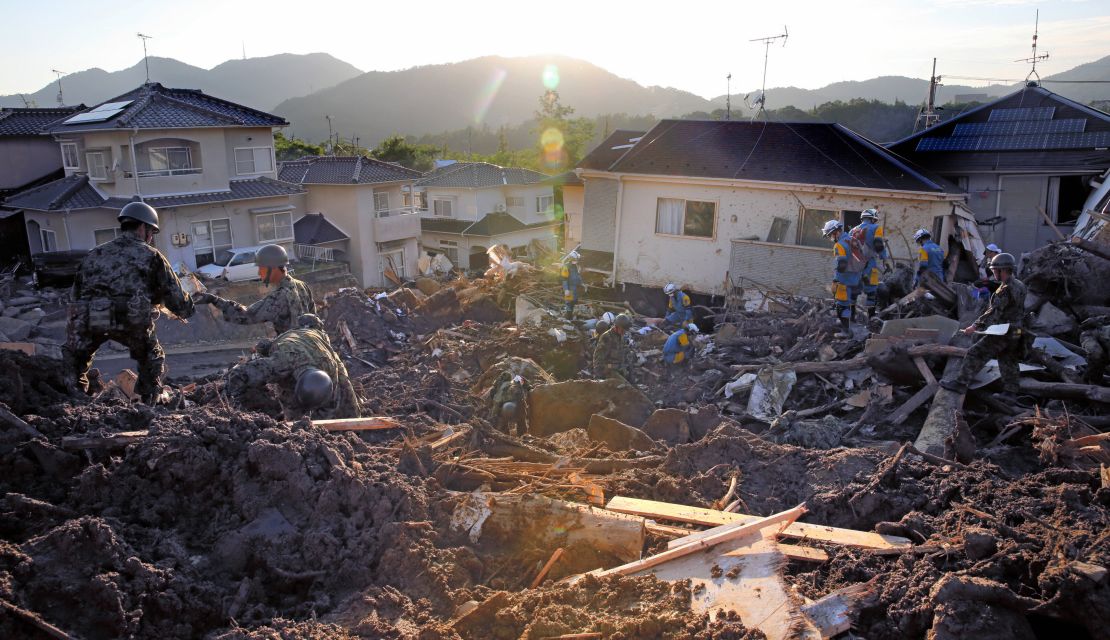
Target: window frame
[(105, 159), (114, 231), (450, 204), (550, 206), (254, 164), (76, 155), (212, 247), (258, 217), (803, 210), (169, 170), (510, 204), (685, 211), (377, 207), (53, 242)]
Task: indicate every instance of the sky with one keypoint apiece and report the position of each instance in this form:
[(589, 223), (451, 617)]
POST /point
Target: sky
[(690, 45)]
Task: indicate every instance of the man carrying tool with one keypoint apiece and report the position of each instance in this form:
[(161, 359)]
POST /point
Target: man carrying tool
[(508, 403), (610, 353), (114, 295), (281, 306), (679, 347), (572, 279), (1096, 340), (678, 305), (308, 371), (1007, 306), (870, 233), (930, 257), (848, 275)]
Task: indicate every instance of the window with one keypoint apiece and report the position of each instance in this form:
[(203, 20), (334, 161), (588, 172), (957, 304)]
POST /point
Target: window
[(168, 160), (520, 252), (212, 240), (442, 207), (1066, 197), (49, 240), (850, 219), (779, 227), (391, 261), (247, 257), (70, 159), (515, 201), (810, 223), (545, 204), (100, 236), (274, 227), (249, 160), (381, 201), (450, 248), (98, 165), (693, 218)]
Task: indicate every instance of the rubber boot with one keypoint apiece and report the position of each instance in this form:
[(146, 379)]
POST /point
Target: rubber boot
[(871, 311), (846, 328)]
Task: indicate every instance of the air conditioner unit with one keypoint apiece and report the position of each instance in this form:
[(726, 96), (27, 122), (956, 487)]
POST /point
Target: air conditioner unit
[(500, 208)]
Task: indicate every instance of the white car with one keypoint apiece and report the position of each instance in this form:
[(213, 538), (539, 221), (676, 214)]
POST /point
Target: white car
[(232, 265)]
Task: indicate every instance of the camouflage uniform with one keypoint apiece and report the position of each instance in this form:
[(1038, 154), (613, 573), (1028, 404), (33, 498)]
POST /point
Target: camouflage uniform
[(609, 355), (1007, 305), (1095, 339), (291, 354), (114, 293), (503, 392), (282, 306)]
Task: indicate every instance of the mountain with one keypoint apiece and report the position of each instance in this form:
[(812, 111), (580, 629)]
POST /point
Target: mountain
[(490, 91), (256, 82)]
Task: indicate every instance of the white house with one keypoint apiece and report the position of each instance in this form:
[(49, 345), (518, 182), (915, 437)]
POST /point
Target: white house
[(471, 206), (362, 199), (206, 164), (714, 205)]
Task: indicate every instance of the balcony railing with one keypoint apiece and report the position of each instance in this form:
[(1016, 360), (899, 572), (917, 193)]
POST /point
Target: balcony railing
[(389, 213), (314, 253), (164, 172)]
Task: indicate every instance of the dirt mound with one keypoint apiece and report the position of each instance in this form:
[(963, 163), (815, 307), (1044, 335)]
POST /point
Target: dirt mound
[(31, 382)]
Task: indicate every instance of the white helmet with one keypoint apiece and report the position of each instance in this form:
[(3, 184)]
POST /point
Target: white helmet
[(830, 226), (993, 248), (518, 379), (870, 213), (574, 256), (692, 328), (608, 317), (670, 288), (921, 233)]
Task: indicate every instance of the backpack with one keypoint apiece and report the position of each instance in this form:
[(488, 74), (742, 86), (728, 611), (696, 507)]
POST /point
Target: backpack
[(858, 252)]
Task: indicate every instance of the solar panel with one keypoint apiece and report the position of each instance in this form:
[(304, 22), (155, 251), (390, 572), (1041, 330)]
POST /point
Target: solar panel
[(103, 112), (1023, 113)]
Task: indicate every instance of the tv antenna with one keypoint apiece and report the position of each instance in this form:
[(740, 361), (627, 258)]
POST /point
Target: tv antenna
[(330, 134), (767, 42), (146, 61), (728, 96), (59, 74), (928, 115), (1034, 58)]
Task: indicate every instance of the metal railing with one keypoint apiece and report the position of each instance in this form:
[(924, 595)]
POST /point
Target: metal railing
[(401, 211), (314, 253), (164, 172)]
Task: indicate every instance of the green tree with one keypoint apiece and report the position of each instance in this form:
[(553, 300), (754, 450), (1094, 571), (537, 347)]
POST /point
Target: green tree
[(396, 148), (562, 140), (292, 148)]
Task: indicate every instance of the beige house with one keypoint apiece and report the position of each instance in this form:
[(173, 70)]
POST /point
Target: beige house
[(362, 201), (570, 199), (206, 164), (721, 205), (472, 206)]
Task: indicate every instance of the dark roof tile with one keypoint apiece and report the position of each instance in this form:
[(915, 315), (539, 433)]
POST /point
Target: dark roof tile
[(492, 224), (314, 228), (611, 149), (75, 192), (343, 170), (32, 121), (479, 175)]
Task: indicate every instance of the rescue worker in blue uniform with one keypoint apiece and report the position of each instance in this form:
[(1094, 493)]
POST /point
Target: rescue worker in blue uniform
[(678, 305), (872, 234), (571, 281), (680, 345), (848, 275), (930, 257)]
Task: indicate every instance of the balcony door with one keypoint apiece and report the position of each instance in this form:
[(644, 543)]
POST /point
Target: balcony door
[(210, 238)]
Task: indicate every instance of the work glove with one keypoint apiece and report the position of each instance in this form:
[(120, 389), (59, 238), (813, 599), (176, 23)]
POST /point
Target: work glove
[(204, 298), (887, 268)]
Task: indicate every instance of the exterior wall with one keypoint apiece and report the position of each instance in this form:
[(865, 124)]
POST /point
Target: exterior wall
[(1017, 198), (430, 240), (599, 214), (73, 230), (468, 202), (650, 259), (339, 204), (573, 205), (26, 159), (527, 214)]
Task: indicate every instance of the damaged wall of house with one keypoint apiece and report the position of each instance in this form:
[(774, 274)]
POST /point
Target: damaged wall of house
[(599, 214)]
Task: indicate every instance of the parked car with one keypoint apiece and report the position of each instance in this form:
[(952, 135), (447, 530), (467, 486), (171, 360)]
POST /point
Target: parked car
[(56, 268), (232, 265)]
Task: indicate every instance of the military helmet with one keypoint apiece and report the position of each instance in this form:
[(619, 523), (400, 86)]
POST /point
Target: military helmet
[(508, 409), (830, 227), (313, 388), (271, 255), (623, 321), (309, 321), (1003, 261), (140, 211), (602, 326), (873, 214), (263, 347)]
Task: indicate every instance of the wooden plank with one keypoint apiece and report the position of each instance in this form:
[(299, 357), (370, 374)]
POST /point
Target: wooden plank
[(547, 567), (698, 515), (25, 347), (791, 551), (111, 441), (921, 397), (371, 423), (925, 371)]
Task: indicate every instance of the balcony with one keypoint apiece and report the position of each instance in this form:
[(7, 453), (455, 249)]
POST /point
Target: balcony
[(396, 224)]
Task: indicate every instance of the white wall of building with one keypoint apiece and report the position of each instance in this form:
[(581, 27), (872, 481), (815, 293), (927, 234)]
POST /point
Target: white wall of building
[(574, 203)]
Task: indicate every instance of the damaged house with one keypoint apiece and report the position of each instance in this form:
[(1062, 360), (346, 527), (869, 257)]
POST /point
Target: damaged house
[(719, 205)]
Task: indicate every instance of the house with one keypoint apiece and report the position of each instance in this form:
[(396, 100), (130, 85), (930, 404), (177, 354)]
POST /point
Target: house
[(1025, 159), (363, 199), (715, 205), (206, 164), (570, 197), (472, 206)]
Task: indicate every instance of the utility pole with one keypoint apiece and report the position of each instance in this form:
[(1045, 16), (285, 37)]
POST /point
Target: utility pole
[(244, 49), (61, 102), (728, 96), (762, 101), (146, 61), (332, 152), (1034, 58), (928, 115)]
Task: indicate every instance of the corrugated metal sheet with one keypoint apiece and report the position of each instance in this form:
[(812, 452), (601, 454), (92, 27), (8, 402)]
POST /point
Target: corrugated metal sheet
[(783, 268)]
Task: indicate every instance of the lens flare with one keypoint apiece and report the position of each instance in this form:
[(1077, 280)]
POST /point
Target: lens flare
[(551, 77), (553, 153), (487, 95)]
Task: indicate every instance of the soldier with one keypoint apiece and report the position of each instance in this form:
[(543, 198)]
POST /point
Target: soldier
[(871, 233), (281, 306), (609, 355), (1096, 340), (295, 361), (678, 305), (680, 345), (114, 295), (508, 408), (572, 279), (1007, 306)]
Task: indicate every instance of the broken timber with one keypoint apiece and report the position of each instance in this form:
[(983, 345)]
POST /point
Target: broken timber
[(373, 423), (791, 551), (697, 515), (112, 441)]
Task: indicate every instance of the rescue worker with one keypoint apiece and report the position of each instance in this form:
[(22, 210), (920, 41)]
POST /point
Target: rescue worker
[(678, 305), (610, 353), (988, 254), (604, 323), (930, 257), (295, 361), (1095, 339), (1007, 305), (679, 347), (872, 233), (285, 303), (114, 295), (571, 281), (508, 403), (986, 285), (848, 275)]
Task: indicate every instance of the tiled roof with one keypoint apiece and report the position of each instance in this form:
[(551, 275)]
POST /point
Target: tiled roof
[(610, 149), (156, 107), (444, 225), (568, 179), (343, 170), (32, 121), (478, 175), (314, 228), (492, 224), (75, 192), (803, 153)]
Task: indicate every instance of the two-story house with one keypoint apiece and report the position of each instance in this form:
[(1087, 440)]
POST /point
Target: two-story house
[(472, 206), (359, 203), (206, 164)]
